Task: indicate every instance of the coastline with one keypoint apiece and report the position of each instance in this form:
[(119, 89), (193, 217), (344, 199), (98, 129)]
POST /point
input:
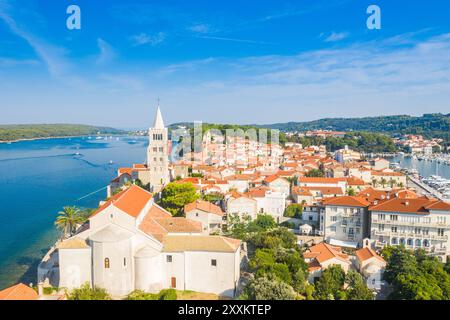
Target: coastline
[(56, 137)]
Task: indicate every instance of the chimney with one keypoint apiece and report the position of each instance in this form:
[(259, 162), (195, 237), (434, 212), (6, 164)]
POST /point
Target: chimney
[(375, 202), (406, 203)]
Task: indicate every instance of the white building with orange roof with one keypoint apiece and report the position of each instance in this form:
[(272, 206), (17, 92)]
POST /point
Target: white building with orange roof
[(207, 213), (241, 205), (415, 223), (321, 256), (269, 202), (371, 266), (323, 182), (315, 195), (130, 243), (279, 184), (345, 220)]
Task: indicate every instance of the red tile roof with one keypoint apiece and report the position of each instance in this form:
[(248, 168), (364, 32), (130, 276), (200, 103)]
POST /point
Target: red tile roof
[(419, 205), (131, 201), (347, 201), (323, 252), (18, 292), (158, 223), (321, 180), (367, 253), (205, 206)]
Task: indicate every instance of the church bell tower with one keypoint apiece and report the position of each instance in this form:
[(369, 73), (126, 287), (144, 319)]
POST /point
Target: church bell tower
[(158, 153)]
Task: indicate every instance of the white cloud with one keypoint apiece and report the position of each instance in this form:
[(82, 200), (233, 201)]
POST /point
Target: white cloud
[(144, 38), (107, 52), (200, 28), (54, 57), (369, 78), (336, 36)]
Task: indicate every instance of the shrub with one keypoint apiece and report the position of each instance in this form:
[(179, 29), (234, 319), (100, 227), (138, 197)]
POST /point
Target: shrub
[(141, 295), (168, 294), (85, 292), (266, 289)]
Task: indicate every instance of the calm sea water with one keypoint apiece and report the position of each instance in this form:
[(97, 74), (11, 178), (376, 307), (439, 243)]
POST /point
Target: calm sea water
[(38, 178), (425, 168)]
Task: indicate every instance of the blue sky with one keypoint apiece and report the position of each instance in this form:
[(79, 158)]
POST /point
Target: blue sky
[(221, 61)]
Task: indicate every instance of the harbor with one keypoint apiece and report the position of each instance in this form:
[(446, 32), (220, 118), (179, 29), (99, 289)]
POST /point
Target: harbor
[(428, 174)]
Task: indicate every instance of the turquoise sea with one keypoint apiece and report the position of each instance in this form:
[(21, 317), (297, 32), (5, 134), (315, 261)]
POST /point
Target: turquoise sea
[(425, 168), (38, 178)]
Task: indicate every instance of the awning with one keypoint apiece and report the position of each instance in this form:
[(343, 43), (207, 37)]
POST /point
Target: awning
[(347, 244)]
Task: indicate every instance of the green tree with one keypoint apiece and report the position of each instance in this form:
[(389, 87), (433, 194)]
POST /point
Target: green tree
[(357, 288), (294, 211), (279, 237), (414, 275), (237, 227), (213, 197), (176, 195), (68, 219), (315, 173), (268, 289), (330, 284), (351, 192), (262, 222), (85, 292)]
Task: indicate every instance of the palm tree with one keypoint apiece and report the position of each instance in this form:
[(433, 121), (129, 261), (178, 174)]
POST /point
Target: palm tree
[(68, 219), (374, 182), (392, 183), (383, 182)]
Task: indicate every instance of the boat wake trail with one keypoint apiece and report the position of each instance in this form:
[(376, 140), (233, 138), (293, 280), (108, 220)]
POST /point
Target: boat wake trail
[(91, 194), (40, 157)]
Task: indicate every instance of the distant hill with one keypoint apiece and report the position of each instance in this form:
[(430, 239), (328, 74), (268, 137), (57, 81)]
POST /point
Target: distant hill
[(429, 125), (37, 131)]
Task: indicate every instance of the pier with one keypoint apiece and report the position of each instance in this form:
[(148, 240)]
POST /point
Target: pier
[(425, 189)]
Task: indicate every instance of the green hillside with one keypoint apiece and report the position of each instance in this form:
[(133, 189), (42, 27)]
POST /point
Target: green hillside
[(430, 125), (35, 131)]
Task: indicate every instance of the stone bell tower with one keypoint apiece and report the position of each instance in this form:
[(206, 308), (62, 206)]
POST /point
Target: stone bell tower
[(158, 153)]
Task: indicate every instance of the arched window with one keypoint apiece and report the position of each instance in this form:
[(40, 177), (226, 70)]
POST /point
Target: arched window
[(394, 241), (402, 241), (426, 243), (106, 263), (410, 242), (418, 243)]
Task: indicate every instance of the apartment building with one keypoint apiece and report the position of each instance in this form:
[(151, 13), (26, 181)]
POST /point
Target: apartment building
[(345, 221), (415, 223)]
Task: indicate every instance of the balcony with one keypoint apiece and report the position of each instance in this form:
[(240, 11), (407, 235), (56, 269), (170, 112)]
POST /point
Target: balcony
[(413, 224), (410, 235)]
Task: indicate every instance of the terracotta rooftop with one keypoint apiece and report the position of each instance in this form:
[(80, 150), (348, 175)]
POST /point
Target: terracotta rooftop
[(321, 180), (205, 206), (349, 201), (18, 292), (323, 252), (367, 253), (158, 223), (131, 201), (419, 205), (200, 243)]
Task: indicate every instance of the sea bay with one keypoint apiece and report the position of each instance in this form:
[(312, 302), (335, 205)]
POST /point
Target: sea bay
[(38, 178)]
